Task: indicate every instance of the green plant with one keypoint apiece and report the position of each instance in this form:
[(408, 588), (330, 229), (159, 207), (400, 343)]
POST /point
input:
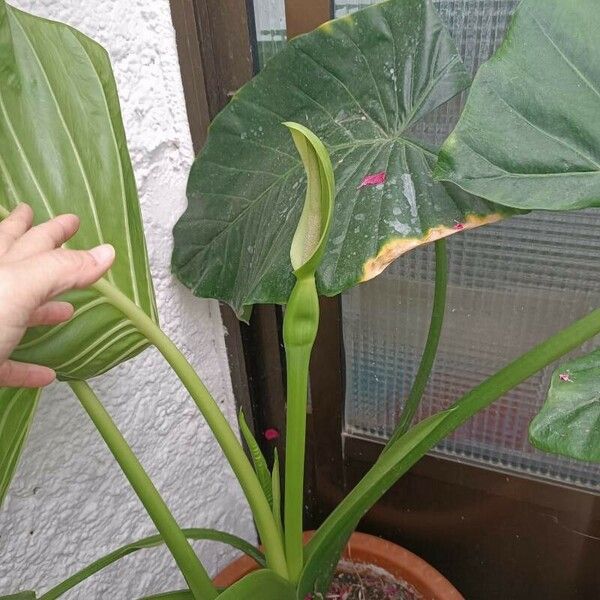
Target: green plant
[(352, 94)]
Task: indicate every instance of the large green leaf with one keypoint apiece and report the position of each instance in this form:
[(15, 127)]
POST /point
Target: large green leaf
[(360, 83), (569, 422), (529, 136), (63, 149), (17, 407)]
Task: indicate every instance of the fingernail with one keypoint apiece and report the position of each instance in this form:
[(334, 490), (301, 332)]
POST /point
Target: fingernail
[(104, 254)]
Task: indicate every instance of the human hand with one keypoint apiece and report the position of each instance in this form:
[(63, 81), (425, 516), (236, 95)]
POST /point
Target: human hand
[(34, 269)]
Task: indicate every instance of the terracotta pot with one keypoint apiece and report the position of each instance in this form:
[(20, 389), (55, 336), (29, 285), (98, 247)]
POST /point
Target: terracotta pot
[(369, 549)]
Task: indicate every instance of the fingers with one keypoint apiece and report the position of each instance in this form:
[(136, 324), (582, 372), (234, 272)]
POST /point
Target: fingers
[(51, 273), (14, 226), (17, 374), (51, 313), (41, 238)]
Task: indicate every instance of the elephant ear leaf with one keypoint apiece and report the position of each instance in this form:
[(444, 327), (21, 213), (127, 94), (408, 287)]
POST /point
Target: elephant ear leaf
[(17, 407), (569, 422), (362, 84), (63, 149), (529, 136)]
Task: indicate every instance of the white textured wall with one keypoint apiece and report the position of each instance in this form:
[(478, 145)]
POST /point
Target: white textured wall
[(69, 503)]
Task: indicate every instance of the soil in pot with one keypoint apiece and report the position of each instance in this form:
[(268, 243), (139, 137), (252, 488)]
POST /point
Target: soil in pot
[(358, 581)]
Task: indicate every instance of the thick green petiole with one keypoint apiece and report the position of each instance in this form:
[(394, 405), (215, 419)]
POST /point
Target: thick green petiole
[(232, 448), (431, 345), (196, 576), (300, 326)]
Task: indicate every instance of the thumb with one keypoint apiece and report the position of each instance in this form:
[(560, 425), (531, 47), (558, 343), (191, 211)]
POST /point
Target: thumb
[(51, 273)]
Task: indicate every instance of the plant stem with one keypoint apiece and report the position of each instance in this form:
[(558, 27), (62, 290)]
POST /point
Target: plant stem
[(300, 326), (196, 576), (297, 384), (229, 443), (431, 346)]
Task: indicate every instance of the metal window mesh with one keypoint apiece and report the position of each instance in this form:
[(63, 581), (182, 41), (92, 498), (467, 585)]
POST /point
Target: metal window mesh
[(510, 286)]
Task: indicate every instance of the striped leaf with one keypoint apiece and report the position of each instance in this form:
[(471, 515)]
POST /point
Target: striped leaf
[(17, 407), (63, 149)]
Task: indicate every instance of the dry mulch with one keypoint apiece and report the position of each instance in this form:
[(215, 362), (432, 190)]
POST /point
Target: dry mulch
[(355, 581)]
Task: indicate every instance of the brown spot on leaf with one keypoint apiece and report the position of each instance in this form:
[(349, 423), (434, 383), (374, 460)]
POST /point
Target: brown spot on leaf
[(399, 246)]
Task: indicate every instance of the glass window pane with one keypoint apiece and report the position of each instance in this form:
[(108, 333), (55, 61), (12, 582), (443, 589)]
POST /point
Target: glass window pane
[(269, 18), (510, 286)]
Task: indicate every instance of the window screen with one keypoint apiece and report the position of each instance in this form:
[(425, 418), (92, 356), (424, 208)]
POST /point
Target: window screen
[(510, 286)]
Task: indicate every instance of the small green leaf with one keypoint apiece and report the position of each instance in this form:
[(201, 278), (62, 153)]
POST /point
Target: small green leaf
[(20, 595), (276, 486), (529, 136), (152, 542), (263, 584), (569, 422), (260, 464), (17, 407), (176, 595)]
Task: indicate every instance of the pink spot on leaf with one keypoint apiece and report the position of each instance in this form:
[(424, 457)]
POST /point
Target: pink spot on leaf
[(565, 377), (271, 435), (459, 226), (374, 179)]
